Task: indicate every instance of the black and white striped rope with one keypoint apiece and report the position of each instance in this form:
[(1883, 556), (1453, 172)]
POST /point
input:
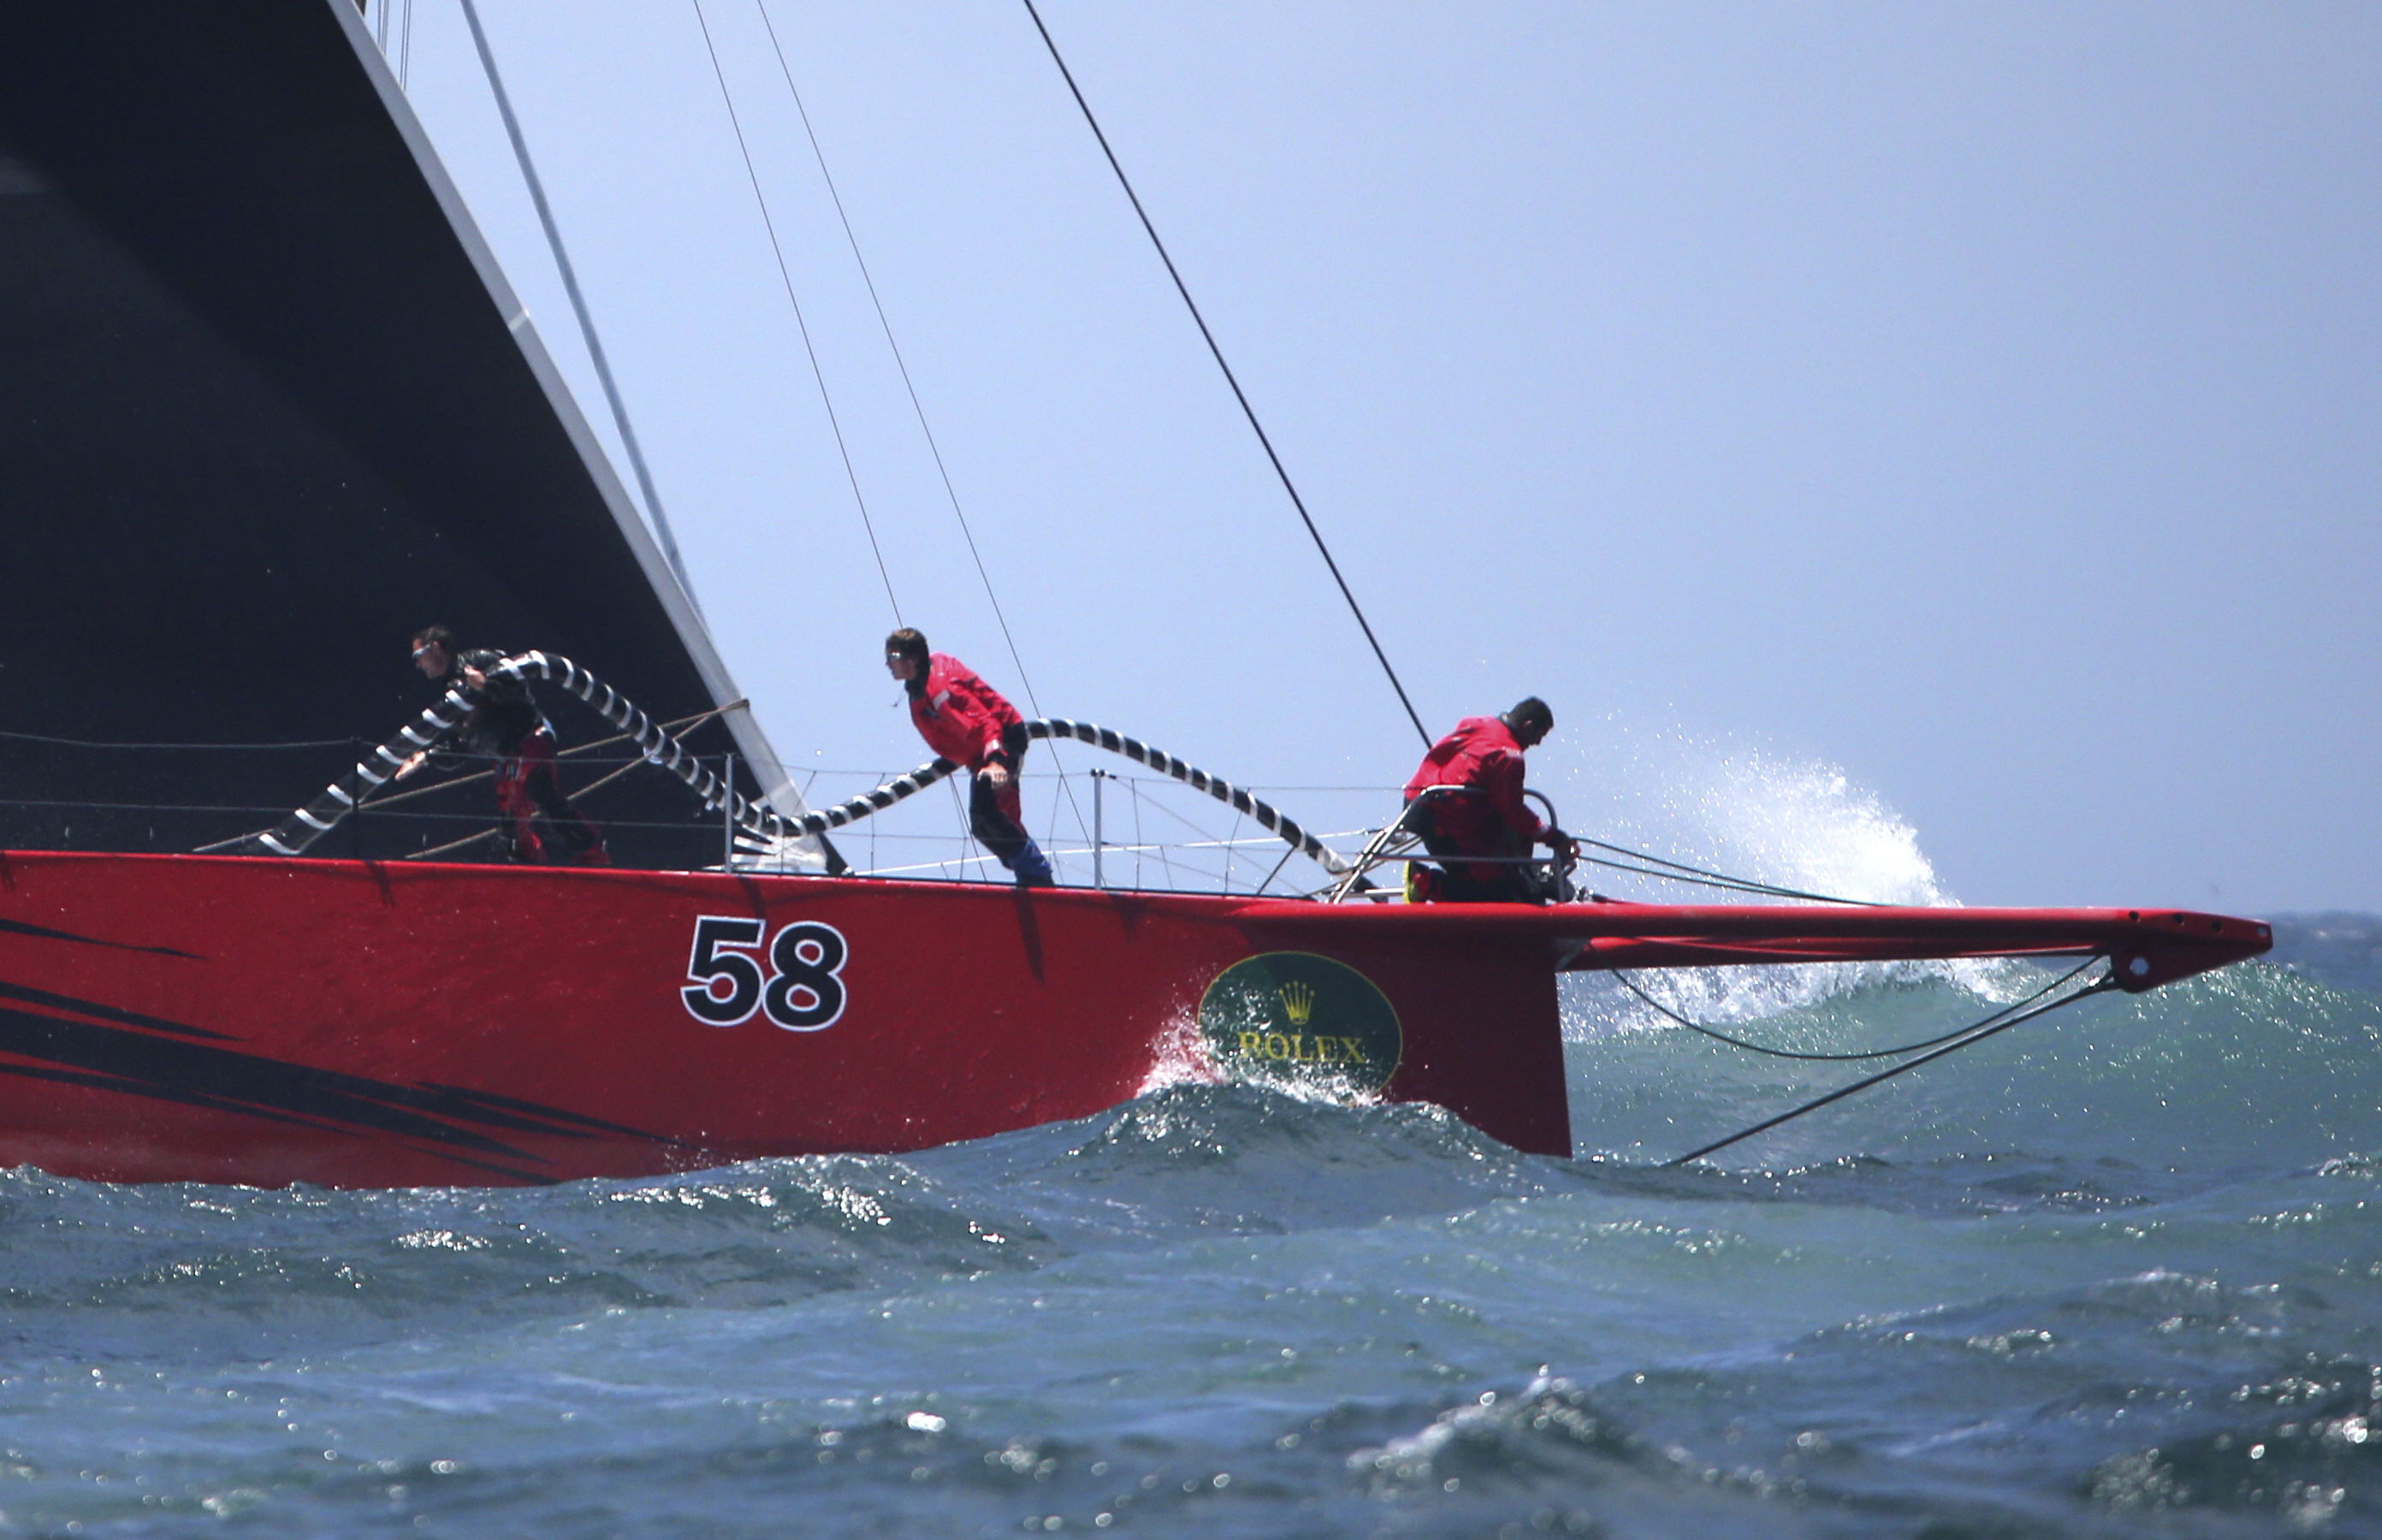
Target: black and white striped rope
[(317, 818), (1266, 815), (1263, 813), (875, 799), (757, 820)]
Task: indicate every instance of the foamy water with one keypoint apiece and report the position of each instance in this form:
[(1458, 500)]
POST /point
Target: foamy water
[(1753, 812), (1749, 811)]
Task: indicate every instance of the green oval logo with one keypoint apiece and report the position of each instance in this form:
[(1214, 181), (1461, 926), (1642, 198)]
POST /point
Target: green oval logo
[(1304, 1018)]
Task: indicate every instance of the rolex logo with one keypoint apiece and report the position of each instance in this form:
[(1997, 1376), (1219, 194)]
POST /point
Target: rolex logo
[(1259, 1022)]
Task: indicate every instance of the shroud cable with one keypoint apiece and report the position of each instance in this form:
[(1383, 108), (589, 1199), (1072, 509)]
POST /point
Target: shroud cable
[(1239, 395)]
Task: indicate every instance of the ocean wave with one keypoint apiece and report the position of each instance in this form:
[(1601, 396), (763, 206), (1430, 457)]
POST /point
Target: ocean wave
[(2251, 1068), (2339, 947), (753, 1236)]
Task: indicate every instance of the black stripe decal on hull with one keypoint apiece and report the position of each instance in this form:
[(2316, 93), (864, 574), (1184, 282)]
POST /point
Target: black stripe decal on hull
[(106, 1013), (18, 927), (170, 1068)]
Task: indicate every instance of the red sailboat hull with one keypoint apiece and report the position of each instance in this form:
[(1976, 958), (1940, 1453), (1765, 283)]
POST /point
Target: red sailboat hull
[(353, 1024)]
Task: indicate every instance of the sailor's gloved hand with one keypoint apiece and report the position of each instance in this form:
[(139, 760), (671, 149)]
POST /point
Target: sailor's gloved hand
[(412, 762), (1565, 848)]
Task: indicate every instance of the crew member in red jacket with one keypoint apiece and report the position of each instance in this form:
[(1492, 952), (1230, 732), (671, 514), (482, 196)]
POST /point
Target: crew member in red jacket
[(1466, 799), (967, 722)]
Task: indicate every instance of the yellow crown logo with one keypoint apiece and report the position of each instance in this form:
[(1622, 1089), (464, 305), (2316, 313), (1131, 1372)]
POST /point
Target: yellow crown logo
[(1299, 1000)]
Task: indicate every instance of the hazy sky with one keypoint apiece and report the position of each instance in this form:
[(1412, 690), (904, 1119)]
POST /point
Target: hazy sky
[(1984, 403)]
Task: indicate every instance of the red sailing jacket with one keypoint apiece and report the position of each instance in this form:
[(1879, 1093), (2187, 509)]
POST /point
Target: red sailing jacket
[(958, 715), (1483, 755)]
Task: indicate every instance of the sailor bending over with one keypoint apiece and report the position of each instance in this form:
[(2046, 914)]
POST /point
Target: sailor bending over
[(1466, 799), (507, 725), (966, 721)]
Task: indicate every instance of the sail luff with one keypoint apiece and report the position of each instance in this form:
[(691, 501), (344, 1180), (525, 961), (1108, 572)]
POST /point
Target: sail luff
[(752, 742)]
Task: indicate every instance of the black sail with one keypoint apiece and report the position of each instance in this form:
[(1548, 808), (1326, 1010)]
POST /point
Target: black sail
[(268, 407)]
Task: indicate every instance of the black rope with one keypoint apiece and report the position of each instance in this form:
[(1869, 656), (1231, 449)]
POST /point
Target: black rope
[(803, 326), (1239, 395), (244, 748), (1952, 1047), (1622, 979)]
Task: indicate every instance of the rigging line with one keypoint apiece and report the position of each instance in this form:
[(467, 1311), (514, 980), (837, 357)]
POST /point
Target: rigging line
[(1275, 873), (1247, 410), (572, 798), (903, 365), (597, 785), (1134, 796), (250, 748), (1371, 856), (131, 807), (452, 845), (579, 307), (1727, 885), (1164, 860), (895, 349), (801, 324), (1749, 883), (383, 804), (1625, 982), (2100, 986), (1712, 879)]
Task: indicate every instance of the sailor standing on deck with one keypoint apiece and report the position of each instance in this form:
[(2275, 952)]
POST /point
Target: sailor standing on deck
[(1466, 799), (506, 724), (967, 722)]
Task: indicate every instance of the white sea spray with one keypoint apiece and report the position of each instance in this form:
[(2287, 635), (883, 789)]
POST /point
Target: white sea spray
[(1750, 812)]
